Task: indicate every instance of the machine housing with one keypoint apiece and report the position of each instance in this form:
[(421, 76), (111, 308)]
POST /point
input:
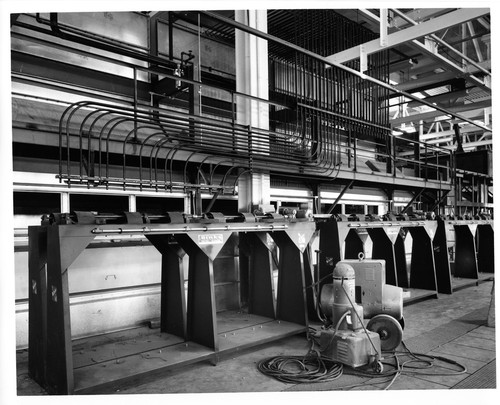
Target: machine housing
[(347, 341)]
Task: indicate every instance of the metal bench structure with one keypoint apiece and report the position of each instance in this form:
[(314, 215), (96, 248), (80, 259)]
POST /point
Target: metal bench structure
[(190, 328)]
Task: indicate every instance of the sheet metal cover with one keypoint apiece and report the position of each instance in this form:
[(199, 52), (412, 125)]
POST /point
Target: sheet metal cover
[(210, 243), (363, 234), (431, 227), (473, 228), (392, 233), (301, 234)]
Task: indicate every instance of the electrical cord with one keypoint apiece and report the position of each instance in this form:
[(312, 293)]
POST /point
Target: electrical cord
[(404, 368), (431, 362), (315, 368), (311, 368)]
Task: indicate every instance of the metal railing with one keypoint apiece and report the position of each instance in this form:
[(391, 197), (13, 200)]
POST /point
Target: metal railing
[(323, 120)]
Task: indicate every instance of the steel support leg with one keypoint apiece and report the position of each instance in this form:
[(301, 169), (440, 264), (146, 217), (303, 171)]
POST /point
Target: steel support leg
[(329, 247), (465, 253), (353, 245), (64, 245), (400, 260), (311, 299), (442, 260), (383, 248), (485, 249), (201, 317), (291, 302), (423, 270), (261, 291), (201, 310), (173, 299), (37, 303)]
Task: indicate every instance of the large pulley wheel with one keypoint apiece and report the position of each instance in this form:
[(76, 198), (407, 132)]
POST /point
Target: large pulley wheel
[(389, 330)]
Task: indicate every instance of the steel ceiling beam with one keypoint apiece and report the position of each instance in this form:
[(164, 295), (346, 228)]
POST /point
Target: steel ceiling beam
[(368, 14), (398, 22), (484, 23), (427, 82), (421, 66), (447, 133), (451, 138), (446, 61), (465, 145), (440, 98), (471, 108), (329, 63), (416, 31), (409, 34), (447, 45), (468, 145), (475, 42), (419, 14)]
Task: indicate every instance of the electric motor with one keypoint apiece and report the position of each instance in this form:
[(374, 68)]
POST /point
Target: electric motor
[(343, 298), (346, 340)]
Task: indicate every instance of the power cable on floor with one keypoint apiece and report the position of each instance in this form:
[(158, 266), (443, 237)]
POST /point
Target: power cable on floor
[(314, 368), (311, 368)]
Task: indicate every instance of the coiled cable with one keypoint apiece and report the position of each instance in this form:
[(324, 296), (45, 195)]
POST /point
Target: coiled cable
[(315, 368), (311, 368)]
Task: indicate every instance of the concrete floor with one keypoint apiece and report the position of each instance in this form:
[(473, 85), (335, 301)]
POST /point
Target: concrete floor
[(452, 326)]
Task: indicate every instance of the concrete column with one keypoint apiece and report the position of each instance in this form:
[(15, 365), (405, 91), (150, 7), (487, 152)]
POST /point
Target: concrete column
[(252, 78), (187, 204), (383, 26), (65, 202), (132, 203)]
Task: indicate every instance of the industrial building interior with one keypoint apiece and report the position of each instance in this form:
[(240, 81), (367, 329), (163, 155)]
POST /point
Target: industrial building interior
[(280, 201)]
